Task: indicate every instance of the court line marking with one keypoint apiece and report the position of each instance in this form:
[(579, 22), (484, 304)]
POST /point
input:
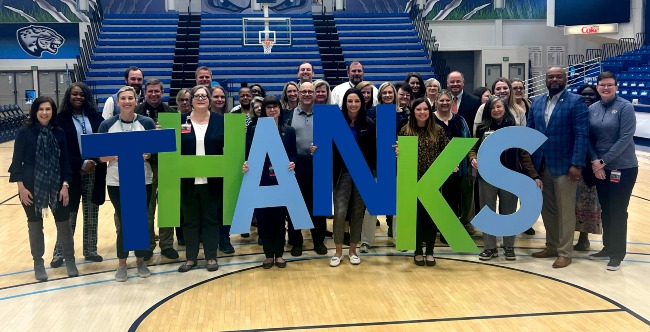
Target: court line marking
[(432, 320), (147, 312)]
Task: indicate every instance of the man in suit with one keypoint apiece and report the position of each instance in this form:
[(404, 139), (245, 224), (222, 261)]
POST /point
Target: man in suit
[(465, 105), (563, 117)]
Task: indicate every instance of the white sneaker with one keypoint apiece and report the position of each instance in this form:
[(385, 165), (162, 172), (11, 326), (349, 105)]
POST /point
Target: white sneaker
[(121, 275), (365, 248), (335, 261), (143, 270), (355, 260)]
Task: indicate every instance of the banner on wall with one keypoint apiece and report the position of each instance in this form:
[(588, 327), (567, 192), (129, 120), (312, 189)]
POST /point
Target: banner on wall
[(133, 6), (43, 11), (244, 7), (39, 40), (450, 10)]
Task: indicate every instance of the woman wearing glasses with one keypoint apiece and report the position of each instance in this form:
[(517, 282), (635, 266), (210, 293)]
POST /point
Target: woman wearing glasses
[(183, 100), (202, 133), (270, 221), (520, 95), (432, 87)]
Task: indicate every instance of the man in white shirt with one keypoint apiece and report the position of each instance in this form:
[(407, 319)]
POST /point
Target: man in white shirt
[(355, 74), (133, 77)]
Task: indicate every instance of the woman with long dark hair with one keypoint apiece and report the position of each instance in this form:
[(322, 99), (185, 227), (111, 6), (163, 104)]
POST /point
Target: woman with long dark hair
[(431, 142), (415, 81), (497, 116), (78, 117), (271, 220), (42, 172)]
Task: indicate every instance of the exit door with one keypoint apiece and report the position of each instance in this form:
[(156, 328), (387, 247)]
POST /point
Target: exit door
[(517, 70), (52, 84), (492, 73), (13, 86)]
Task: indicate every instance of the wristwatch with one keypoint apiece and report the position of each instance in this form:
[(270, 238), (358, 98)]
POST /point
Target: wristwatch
[(602, 162), (66, 184)]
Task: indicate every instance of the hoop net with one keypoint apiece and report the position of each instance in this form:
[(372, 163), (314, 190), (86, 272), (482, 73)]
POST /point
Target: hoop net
[(268, 45)]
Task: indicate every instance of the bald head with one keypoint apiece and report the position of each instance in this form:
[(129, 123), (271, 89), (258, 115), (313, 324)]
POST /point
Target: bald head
[(306, 96), (555, 80)]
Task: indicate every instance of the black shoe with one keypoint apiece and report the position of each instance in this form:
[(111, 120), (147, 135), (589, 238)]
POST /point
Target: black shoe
[(430, 263), (185, 267), (56, 262), (94, 258), (581, 246), (614, 264), (267, 264), (601, 255), (212, 267), (329, 234), (321, 249), (509, 253), (181, 243), (296, 251), (488, 254), (346, 239), (390, 231), (377, 224), (530, 231), (417, 262), (281, 265), (246, 235), (227, 248), (170, 253), (148, 255)]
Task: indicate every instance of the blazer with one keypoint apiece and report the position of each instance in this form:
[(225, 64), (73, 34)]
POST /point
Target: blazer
[(66, 122), (214, 138), (567, 132), (468, 106)]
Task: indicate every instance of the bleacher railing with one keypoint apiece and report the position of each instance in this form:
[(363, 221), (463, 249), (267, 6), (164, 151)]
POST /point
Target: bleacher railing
[(422, 28), (578, 73), (88, 44)]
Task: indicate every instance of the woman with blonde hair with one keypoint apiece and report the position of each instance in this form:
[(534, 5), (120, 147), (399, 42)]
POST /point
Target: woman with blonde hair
[(432, 87), (289, 98), (323, 92), (503, 88)]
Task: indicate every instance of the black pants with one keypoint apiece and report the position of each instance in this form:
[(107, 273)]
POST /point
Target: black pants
[(179, 230), (614, 199), (61, 213), (201, 222), (425, 231), (451, 190), (270, 226), (304, 176), (114, 195)]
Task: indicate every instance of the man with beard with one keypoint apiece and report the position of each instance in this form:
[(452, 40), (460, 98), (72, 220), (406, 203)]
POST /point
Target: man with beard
[(563, 117), (133, 77), (152, 106), (355, 73)]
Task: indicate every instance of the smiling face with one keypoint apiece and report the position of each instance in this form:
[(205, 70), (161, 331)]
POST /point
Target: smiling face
[(607, 89), (153, 94), (204, 77), (245, 97), (422, 114), (555, 80), (502, 90), (432, 90), (353, 103), (404, 98), (455, 83), (443, 103), (306, 94), (135, 79), (387, 95), (292, 93), (184, 103), (367, 94), (218, 99), (305, 72), (127, 102), (201, 99), (44, 113), (355, 73), (321, 94), (497, 111), (77, 98), (272, 111), (590, 96), (518, 90), (415, 84)]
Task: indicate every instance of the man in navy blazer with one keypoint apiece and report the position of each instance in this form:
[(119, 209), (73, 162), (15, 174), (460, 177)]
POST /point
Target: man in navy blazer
[(563, 117)]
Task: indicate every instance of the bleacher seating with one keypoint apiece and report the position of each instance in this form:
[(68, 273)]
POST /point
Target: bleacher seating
[(632, 71), (386, 44), (11, 119), (146, 41), (221, 50)]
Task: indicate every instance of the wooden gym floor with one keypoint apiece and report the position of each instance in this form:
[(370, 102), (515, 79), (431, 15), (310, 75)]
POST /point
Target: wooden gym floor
[(387, 292)]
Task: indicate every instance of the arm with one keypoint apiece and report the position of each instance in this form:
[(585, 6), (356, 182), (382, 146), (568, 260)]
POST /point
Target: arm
[(16, 168), (107, 112), (478, 118), (580, 115), (627, 127)]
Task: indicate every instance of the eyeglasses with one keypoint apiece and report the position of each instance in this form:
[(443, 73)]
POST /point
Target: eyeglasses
[(270, 107), (518, 88), (200, 97), (433, 87), (184, 100), (607, 86), (307, 92)]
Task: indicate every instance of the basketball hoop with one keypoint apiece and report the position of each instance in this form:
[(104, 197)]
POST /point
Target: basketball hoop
[(268, 45)]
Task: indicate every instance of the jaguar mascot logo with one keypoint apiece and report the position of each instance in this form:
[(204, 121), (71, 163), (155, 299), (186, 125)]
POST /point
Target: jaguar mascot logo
[(36, 39)]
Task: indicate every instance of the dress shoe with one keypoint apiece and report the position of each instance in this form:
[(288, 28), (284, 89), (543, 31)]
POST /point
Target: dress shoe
[(561, 262), (281, 264), (186, 267), (170, 253), (212, 267), (94, 258), (267, 264), (431, 262), (296, 251), (321, 249), (546, 253), (581, 246), (56, 262), (227, 248), (597, 256), (419, 262)]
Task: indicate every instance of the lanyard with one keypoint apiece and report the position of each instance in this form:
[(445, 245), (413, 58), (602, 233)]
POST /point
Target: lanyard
[(82, 122), (132, 123)]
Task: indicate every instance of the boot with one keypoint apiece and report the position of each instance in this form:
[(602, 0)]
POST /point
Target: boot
[(57, 257), (37, 246), (65, 238)]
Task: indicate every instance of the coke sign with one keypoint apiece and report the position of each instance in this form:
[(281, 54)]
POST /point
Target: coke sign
[(590, 29)]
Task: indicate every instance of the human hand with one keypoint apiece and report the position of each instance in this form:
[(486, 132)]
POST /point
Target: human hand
[(25, 196), (146, 156), (539, 184), (63, 195), (312, 148), (600, 174), (596, 165), (574, 174), (245, 168), (474, 163), (292, 166)]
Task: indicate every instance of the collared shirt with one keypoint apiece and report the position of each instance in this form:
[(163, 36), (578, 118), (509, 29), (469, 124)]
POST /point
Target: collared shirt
[(459, 98), (303, 123), (550, 105)]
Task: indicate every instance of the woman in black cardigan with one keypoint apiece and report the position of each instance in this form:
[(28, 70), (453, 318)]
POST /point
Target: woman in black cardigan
[(40, 168), (202, 133), (270, 221), (79, 116)]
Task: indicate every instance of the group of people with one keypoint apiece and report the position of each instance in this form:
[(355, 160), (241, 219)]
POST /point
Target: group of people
[(586, 169)]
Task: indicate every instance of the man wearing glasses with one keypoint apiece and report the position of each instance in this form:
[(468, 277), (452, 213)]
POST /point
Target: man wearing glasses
[(303, 122), (563, 117)]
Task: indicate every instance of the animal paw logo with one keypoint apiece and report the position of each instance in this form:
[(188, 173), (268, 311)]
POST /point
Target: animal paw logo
[(36, 39)]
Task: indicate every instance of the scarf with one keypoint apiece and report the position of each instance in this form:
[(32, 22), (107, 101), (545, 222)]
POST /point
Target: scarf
[(47, 173)]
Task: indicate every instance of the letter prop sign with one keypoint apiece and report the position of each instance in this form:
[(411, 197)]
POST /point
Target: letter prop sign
[(427, 190), (174, 166), (331, 127), (287, 193), (494, 173), (129, 148)]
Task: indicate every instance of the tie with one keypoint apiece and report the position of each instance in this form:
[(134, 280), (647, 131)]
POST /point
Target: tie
[(454, 105)]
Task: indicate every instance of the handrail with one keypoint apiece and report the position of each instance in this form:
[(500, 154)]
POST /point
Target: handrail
[(422, 28), (576, 73), (89, 43)]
